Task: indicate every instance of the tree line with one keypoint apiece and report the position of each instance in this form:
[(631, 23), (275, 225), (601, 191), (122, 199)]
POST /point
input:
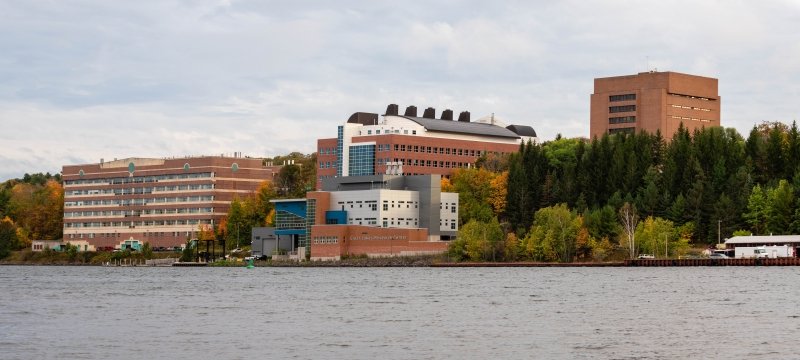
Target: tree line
[(563, 198), (30, 208)]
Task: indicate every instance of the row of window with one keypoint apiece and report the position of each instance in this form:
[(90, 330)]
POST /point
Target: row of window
[(624, 108), (74, 214), (432, 150), (325, 240), (138, 179), (116, 235), (622, 120), (689, 107), (131, 224), (327, 151), (388, 131), (691, 97), (625, 97), (689, 118), (625, 130), (139, 191), (139, 201), (427, 163)]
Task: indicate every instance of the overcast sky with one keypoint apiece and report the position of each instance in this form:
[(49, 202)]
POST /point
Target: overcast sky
[(91, 79)]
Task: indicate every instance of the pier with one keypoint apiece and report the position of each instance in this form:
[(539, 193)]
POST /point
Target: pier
[(639, 263)]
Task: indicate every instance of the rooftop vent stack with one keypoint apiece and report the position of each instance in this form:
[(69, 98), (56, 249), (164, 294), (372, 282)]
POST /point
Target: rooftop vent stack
[(392, 109), (447, 115), (411, 111), (464, 116), (430, 113)]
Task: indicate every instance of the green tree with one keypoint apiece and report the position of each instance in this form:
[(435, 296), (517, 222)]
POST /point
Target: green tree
[(654, 236), (187, 255), (553, 234), (757, 210), (478, 241), (602, 223), (780, 208), (474, 188), (8, 237)]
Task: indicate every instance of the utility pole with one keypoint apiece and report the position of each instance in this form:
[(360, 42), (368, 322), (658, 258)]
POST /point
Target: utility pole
[(719, 235)]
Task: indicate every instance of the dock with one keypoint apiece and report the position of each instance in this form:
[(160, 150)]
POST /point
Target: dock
[(190, 264), (635, 263), (713, 262)]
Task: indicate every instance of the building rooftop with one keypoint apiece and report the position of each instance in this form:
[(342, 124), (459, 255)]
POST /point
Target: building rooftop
[(462, 127), (768, 239)]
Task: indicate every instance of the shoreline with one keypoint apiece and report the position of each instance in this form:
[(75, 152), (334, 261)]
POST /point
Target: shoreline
[(438, 262)]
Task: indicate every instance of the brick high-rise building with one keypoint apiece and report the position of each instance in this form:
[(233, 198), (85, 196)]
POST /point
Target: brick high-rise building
[(654, 101)]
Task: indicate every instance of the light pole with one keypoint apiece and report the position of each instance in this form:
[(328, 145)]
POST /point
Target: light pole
[(719, 236)]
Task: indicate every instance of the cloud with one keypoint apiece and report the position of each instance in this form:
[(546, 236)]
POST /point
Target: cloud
[(80, 82)]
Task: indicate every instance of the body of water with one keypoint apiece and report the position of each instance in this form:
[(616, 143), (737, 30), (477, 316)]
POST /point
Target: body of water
[(399, 313)]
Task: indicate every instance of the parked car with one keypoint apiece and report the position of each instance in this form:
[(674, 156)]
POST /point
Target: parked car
[(646, 256), (718, 256)]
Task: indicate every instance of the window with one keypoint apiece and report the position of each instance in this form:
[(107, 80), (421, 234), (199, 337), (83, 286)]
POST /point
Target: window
[(453, 209), (413, 132), (385, 207), (626, 108), (625, 130), (369, 132), (625, 97), (622, 120)]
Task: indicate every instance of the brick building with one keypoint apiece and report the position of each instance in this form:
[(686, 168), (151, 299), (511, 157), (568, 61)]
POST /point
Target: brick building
[(376, 215), (654, 101), (368, 143), (125, 203)]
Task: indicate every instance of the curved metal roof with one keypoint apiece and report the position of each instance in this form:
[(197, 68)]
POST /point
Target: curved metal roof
[(522, 130), (461, 127)]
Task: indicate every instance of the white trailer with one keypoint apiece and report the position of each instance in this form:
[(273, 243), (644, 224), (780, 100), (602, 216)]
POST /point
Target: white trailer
[(767, 252)]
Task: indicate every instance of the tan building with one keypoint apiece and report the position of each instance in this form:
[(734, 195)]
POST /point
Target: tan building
[(126, 203), (652, 101)]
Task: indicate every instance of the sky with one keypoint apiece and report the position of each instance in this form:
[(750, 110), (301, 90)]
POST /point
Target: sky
[(89, 79)]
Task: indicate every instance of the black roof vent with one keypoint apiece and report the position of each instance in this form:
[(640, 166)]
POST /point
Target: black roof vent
[(411, 111), (363, 118), (447, 115), (430, 113), (522, 130), (392, 109), (464, 116)]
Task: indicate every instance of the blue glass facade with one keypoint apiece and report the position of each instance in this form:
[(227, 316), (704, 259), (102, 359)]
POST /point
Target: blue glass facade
[(290, 219), (362, 160)]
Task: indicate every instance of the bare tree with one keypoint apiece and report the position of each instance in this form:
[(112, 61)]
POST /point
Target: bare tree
[(629, 218)]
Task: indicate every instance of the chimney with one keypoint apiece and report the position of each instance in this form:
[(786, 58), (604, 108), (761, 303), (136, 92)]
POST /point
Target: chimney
[(430, 113), (464, 116), (411, 111), (447, 115), (392, 109)]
